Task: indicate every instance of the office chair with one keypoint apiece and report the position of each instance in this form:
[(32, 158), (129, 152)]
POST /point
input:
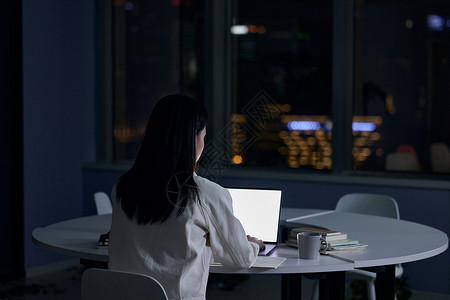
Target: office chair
[(375, 205), (103, 284), (102, 203)]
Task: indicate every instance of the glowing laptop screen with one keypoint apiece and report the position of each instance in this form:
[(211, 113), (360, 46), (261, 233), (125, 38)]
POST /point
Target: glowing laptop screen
[(259, 211)]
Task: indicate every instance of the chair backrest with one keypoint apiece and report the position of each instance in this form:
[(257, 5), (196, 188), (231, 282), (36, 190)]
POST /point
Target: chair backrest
[(402, 161), (102, 203), (440, 157), (369, 204), (102, 284)]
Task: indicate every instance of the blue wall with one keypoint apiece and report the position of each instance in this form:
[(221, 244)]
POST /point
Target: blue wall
[(58, 112)]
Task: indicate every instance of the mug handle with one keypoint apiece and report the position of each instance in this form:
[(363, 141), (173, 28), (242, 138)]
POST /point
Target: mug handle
[(323, 245)]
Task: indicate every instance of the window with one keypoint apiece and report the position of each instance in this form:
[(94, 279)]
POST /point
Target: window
[(281, 66), (402, 71), (157, 51), (292, 85)]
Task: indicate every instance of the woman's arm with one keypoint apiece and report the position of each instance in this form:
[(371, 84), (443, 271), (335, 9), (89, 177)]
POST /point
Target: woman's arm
[(227, 238)]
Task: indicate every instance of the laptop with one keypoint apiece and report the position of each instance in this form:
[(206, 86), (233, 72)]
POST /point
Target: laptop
[(259, 213)]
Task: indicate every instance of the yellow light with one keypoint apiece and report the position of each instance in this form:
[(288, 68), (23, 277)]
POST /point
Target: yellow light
[(380, 152), (327, 151), (378, 120), (359, 142), (375, 136), (237, 159), (319, 133), (238, 118), (360, 158), (327, 162), (252, 28), (304, 161), (292, 162), (286, 108), (366, 152)]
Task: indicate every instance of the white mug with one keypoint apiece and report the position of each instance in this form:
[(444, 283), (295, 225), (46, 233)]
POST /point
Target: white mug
[(309, 244)]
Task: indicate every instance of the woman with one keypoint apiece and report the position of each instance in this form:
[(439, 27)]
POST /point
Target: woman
[(167, 222)]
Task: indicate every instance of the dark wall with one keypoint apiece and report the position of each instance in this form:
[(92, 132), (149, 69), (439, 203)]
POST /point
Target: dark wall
[(58, 113), (11, 257)]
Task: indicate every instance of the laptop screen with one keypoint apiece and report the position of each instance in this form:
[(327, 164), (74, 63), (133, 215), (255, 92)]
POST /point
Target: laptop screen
[(259, 212)]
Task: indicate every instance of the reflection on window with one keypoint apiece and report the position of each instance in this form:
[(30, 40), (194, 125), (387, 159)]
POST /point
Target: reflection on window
[(281, 51), (306, 140), (402, 61), (158, 48)]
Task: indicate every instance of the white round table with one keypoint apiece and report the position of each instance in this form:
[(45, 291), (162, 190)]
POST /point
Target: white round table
[(389, 242)]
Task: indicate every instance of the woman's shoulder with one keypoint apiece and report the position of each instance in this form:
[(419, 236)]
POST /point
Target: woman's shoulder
[(209, 188), (215, 198), (203, 182)]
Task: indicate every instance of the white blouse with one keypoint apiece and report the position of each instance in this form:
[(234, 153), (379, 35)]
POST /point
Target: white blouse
[(177, 252)]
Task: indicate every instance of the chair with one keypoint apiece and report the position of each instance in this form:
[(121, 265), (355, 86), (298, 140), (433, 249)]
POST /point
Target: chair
[(405, 148), (440, 158), (402, 161), (376, 205), (103, 284), (369, 204), (102, 203)]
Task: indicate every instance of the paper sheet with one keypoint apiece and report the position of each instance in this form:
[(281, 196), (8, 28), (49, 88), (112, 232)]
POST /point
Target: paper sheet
[(267, 262)]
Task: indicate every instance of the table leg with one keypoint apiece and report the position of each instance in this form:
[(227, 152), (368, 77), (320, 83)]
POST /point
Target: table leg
[(385, 283), (291, 286), (332, 286)]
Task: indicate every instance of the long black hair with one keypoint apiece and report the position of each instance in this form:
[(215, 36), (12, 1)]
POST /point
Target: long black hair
[(161, 178)]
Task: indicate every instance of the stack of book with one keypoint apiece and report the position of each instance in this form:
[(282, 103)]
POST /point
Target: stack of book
[(335, 240)]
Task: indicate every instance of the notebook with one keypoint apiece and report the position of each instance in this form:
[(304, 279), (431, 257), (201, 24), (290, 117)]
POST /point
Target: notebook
[(259, 213)]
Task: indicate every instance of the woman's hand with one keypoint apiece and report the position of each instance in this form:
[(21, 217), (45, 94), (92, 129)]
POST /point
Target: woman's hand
[(256, 241)]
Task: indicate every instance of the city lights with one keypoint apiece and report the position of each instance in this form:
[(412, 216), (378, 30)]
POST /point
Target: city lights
[(303, 125), (360, 126), (239, 29), (435, 22), (245, 29)]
